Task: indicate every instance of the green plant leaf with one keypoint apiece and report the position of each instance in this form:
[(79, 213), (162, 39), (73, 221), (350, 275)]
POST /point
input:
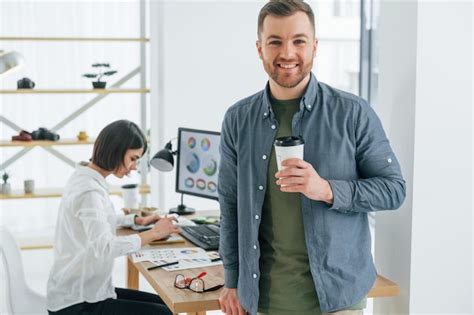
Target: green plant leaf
[(109, 73), (5, 177), (90, 75)]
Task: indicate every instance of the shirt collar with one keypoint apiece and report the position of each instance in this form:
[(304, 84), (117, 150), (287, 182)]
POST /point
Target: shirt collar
[(307, 101), (83, 169)]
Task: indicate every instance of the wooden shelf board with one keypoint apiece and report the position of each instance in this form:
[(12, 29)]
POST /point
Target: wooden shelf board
[(57, 192), (79, 39), (43, 143), (35, 245), (74, 91)]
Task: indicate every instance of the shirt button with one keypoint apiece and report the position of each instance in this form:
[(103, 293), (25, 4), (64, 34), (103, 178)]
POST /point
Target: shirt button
[(309, 106), (389, 160), (257, 217), (264, 156), (255, 276), (265, 114), (260, 187), (273, 127), (255, 247)]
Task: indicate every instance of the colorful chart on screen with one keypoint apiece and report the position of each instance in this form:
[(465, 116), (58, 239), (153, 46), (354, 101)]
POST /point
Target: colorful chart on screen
[(198, 162)]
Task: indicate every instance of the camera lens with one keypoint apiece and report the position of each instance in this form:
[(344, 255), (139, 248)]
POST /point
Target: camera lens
[(48, 135)]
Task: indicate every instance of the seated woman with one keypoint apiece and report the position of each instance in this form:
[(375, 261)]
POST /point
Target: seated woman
[(85, 244)]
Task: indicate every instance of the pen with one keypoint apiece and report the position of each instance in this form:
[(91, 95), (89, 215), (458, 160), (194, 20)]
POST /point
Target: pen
[(215, 259), (164, 265)]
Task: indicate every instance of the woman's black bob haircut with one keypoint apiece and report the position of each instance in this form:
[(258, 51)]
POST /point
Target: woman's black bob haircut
[(114, 141)]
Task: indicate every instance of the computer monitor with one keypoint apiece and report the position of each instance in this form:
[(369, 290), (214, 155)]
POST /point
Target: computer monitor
[(198, 165)]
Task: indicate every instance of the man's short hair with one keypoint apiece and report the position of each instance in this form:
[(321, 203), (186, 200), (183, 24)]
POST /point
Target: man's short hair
[(284, 8), (114, 141)]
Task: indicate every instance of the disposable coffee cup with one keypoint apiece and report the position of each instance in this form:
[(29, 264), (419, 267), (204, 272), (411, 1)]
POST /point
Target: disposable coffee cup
[(287, 148), (130, 196), (29, 186)]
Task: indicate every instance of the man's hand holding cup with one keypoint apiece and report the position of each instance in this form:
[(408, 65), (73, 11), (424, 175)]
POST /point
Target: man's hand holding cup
[(296, 175)]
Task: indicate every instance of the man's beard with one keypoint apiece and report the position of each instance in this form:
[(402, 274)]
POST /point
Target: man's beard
[(289, 80)]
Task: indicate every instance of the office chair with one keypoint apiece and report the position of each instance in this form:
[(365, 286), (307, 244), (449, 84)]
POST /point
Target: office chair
[(20, 299)]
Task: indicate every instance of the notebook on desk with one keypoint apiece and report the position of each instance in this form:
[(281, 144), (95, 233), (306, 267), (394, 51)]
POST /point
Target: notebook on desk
[(172, 239)]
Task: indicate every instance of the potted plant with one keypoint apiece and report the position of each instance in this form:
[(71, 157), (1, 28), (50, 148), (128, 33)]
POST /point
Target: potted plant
[(6, 188), (99, 84)]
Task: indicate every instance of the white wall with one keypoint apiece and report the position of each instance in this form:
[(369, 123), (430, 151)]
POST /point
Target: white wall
[(396, 108), (426, 100), (444, 99)]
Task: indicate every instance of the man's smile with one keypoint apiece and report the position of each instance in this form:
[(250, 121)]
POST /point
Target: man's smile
[(287, 65)]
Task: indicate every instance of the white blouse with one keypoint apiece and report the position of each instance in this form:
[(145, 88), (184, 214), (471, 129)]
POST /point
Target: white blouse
[(85, 242)]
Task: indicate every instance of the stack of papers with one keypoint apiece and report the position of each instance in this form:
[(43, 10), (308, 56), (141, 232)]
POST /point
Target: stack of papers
[(188, 258)]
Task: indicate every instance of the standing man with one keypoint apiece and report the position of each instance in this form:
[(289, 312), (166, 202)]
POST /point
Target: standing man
[(298, 241)]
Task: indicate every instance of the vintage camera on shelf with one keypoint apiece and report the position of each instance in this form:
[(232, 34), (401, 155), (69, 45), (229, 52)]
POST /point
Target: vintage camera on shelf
[(25, 83), (44, 134)]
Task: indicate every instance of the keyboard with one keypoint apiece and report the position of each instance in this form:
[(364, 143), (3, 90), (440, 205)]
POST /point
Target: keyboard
[(205, 236)]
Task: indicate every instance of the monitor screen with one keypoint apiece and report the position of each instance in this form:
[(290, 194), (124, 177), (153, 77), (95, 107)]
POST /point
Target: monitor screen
[(198, 162)]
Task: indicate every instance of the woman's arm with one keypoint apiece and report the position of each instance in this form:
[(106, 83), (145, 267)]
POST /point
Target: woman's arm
[(161, 229)]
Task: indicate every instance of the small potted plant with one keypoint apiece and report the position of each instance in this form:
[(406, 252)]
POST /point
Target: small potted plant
[(99, 84), (6, 188)]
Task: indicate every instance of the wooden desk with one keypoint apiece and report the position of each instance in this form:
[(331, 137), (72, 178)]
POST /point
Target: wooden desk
[(186, 301)]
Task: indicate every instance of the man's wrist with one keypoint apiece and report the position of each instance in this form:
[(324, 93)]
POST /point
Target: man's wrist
[(328, 196)]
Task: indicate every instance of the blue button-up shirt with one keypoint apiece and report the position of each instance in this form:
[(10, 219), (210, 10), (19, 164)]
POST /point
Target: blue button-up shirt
[(346, 145)]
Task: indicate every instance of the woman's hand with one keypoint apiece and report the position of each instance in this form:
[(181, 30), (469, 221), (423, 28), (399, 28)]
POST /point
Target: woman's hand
[(162, 228), (147, 220), (165, 227)]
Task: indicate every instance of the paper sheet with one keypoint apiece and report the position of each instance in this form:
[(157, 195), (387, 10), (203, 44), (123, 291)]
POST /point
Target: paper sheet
[(192, 257)]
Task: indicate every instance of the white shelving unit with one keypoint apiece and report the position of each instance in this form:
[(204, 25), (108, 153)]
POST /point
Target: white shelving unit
[(53, 147)]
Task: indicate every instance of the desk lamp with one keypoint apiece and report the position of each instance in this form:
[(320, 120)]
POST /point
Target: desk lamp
[(10, 61), (163, 161)]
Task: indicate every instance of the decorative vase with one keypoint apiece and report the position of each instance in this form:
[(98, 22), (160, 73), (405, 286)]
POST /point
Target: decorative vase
[(99, 85), (6, 189), (82, 136), (29, 186)]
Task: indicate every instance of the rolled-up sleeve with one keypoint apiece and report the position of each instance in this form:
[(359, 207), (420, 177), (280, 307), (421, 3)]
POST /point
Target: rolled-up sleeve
[(380, 185), (227, 187), (125, 220), (91, 211)]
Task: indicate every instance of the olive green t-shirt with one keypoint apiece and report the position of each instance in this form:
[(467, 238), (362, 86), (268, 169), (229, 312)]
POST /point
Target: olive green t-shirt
[(286, 285)]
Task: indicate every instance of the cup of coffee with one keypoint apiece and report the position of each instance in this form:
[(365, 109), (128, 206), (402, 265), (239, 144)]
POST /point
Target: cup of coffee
[(130, 196), (287, 148), (29, 186)]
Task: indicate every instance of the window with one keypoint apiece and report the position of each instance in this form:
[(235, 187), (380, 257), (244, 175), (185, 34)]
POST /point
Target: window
[(338, 24)]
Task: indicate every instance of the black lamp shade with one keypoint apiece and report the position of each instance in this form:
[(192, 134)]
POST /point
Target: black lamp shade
[(163, 160)]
